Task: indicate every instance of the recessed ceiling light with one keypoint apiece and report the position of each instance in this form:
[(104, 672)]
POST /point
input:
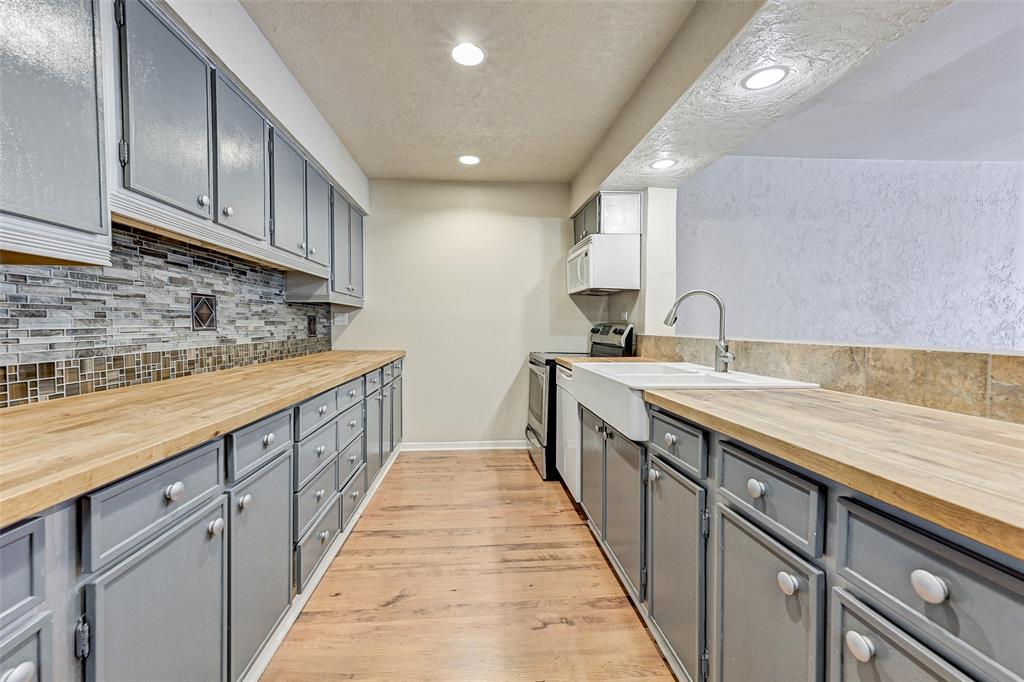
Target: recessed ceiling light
[(765, 78), (469, 160), (662, 164), (467, 54)]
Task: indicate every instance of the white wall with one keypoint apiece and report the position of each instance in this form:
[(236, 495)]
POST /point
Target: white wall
[(468, 279), (905, 253), (231, 34)]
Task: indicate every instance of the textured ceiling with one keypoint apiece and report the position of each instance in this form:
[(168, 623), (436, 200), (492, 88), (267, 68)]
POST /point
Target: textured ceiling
[(820, 41), (556, 74), (950, 91)]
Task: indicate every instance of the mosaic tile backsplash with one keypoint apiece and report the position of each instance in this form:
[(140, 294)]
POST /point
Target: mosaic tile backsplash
[(67, 330)]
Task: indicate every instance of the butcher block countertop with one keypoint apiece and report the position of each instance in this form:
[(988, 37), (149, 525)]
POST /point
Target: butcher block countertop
[(51, 452), (963, 473)]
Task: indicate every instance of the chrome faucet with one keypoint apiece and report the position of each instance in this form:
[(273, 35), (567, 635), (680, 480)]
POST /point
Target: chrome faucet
[(722, 355)]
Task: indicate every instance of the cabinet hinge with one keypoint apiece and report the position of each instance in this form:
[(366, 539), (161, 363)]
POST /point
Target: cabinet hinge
[(705, 523), (270, 142), (119, 12), (122, 152), (643, 582), (704, 658), (82, 638)]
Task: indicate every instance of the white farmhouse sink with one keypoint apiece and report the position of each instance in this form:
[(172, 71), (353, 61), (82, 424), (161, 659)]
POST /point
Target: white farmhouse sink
[(614, 390)]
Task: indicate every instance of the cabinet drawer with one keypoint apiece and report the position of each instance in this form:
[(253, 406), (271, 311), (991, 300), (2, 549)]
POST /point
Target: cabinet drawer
[(314, 496), (350, 424), (120, 517), (867, 648), (314, 544), (389, 372), (316, 411), (350, 393), (21, 569), (352, 495), (350, 459), (251, 447), (25, 652), (969, 607), (313, 451), (374, 380), (786, 504), (398, 366), (680, 444), (771, 607)]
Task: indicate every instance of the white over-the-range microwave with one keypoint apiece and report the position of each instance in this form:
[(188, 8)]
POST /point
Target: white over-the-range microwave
[(604, 264)]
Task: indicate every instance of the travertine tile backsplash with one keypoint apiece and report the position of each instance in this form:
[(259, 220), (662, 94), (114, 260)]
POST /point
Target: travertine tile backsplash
[(982, 384), (67, 330)]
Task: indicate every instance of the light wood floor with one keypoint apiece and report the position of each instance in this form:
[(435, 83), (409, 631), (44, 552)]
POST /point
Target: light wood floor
[(466, 566)]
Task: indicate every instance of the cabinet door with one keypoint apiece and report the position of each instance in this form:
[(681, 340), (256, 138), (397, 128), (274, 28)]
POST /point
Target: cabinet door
[(675, 562), (260, 559), (318, 216), (765, 633), (166, 101), (340, 241), (590, 217), (356, 250), (241, 162), (289, 197), (51, 139), (592, 468), (396, 412), (624, 503), (161, 614), (373, 435), (578, 228), (386, 428)]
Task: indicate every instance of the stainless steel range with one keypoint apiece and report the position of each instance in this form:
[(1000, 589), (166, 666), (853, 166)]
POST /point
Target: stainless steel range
[(607, 339)]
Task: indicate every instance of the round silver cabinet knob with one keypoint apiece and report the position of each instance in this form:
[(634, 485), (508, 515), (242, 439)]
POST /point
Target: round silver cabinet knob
[(324, 534), (312, 251), (245, 502), (670, 439), (204, 199), (352, 393), (929, 586), (355, 494), (352, 458), (321, 449), (302, 245), (229, 211), (862, 648), (216, 527), (269, 438), (322, 410), (174, 491), (23, 672), (319, 494), (373, 380), (788, 583), (653, 475), (599, 428), (756, 488), (353, 424)]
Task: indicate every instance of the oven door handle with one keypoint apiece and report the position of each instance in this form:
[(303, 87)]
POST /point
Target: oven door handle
[(530, 436)]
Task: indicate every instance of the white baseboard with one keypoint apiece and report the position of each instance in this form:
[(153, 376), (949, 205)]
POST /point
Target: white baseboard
[(466, 445)]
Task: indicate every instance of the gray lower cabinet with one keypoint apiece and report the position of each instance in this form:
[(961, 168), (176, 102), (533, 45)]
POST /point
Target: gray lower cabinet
[(161, 613), (259, 558), (21, 558), (241, 162), (318, 216), (396, 412), (313, 546), (770, 607), (374, 410), (25, 650), (288, 196), (166, 94), (592, 468), (676, 534), (624, 463), (386, 433), (51, 129)]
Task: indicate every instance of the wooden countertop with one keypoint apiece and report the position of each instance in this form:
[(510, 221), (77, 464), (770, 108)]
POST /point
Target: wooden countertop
[(568, 361), (963, 473), (51, 452)]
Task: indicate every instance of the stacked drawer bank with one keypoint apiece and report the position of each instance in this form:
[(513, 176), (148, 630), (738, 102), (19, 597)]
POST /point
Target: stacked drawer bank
[(185, 569)]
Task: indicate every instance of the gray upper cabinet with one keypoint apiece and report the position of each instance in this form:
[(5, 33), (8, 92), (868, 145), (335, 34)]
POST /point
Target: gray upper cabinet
[(340, 242), (51, 138), (289, 197), (675, 563), (356, 250), (167, 114), (770, 607), (592, 468), (624, 504), (161, 614), (260, 559), (241, 162), (318, 216)]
